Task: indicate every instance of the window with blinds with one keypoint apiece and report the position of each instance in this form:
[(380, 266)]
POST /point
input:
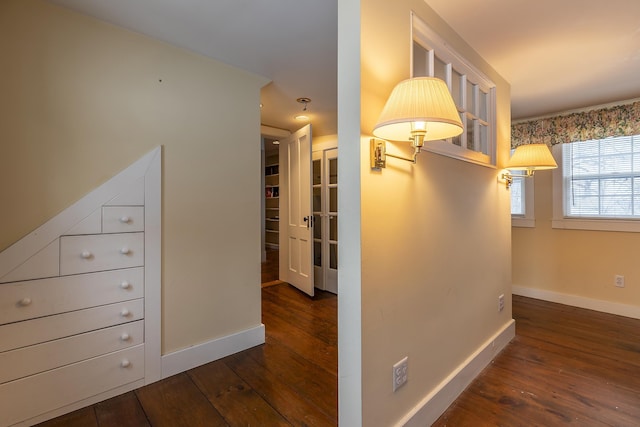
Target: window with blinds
[(521, 192), (601, 178), (518, 202)]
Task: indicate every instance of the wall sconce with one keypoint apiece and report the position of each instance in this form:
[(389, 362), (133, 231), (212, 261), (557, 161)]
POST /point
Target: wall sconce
[(529, 158), (418, 110)]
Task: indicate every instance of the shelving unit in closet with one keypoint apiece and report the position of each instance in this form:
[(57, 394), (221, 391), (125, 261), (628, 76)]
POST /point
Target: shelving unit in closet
[(272, 201)]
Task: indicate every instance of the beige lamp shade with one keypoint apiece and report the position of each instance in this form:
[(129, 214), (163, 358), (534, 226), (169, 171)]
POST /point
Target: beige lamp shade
[(532, 157), (419, 102)]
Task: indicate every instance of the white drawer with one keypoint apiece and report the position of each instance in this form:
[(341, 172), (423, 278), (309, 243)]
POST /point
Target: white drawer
[(44, 297), (122, 219), (38, 358), (31, 396), (99, 252), (35, 331)]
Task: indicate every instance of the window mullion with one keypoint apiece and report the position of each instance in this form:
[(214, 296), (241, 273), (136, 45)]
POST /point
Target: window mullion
[(599, 178), (633, 187), (458, 73), (449, 72)]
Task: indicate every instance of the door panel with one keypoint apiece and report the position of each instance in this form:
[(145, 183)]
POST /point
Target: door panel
[(296, 250), (325, 210), (330, 238)]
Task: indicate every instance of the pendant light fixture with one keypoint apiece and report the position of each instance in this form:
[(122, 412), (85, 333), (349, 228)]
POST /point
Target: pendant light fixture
[(303, 117)]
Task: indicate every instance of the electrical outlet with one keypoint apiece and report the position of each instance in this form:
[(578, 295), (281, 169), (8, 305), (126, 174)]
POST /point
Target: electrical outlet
[(618, 280), (500, 303), (400, 373)]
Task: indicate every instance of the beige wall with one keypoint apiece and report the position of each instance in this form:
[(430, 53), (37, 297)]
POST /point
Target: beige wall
[(82, 99), (435, 235), (574, 262)]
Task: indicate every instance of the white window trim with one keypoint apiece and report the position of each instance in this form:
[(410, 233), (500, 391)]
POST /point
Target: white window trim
[(528, 219), (425, 36), (560, 221)]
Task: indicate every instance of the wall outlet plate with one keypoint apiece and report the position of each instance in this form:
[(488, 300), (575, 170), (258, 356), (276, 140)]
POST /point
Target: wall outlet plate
[(400, 373), (619, 281), (500, 303)]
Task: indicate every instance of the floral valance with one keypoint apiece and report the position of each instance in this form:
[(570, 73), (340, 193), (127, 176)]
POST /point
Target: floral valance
[(621, 120)]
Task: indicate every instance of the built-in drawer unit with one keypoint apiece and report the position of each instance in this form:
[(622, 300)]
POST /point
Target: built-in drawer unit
[(122, 219), (80, 301), (41, 329), (44, 297), (25, 361), (53, 389), (98, 252)]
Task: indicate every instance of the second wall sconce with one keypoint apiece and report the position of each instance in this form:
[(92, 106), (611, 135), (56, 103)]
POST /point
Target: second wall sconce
[(529, 158), (418, 110)]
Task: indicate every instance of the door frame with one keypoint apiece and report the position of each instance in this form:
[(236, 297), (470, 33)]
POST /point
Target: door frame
[(276, 134)]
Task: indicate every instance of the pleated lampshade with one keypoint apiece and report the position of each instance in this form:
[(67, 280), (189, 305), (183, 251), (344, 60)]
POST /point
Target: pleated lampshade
[(531, 157), (419, 101)]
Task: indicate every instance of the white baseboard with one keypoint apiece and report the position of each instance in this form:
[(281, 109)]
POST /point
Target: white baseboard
[(578, 301), (188, 358), (427, 411)]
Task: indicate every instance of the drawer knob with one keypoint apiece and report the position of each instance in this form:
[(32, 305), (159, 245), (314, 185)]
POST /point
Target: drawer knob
[(125, 363), (125, 219), (125, 250), (85, 254), (125, 336), (125, 285), (25, 301), (124, 312)]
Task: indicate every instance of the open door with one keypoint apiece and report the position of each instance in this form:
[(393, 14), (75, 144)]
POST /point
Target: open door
[(296, 217)]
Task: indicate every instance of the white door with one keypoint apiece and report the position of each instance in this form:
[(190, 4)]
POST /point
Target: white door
[(296, 237), (325, 224), (330, 237)]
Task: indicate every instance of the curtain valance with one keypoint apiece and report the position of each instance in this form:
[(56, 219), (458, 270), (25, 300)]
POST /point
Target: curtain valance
[(621, 120)]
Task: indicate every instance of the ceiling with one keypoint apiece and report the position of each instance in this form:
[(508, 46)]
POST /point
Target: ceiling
[(557, 55)]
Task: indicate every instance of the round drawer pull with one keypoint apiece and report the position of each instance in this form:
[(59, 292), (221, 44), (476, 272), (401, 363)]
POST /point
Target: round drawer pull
[(85, 254), (124, 312), (125, 250), (25, 301), (125, 336), (125, 219), (125, 363), (125, 285)]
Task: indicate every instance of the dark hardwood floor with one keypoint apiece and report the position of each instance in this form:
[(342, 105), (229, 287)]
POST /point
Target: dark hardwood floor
[(565, 366), (270, 268)]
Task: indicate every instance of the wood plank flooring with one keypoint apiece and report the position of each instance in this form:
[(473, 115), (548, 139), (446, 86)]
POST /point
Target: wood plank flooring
[(270, 269), (566, 366), (290, 380)]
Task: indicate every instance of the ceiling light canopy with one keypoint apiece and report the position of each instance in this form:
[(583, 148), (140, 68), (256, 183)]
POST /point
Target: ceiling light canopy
[(303, 116)]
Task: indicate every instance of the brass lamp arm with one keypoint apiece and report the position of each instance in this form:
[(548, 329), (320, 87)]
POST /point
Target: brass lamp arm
[(412, 160)]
